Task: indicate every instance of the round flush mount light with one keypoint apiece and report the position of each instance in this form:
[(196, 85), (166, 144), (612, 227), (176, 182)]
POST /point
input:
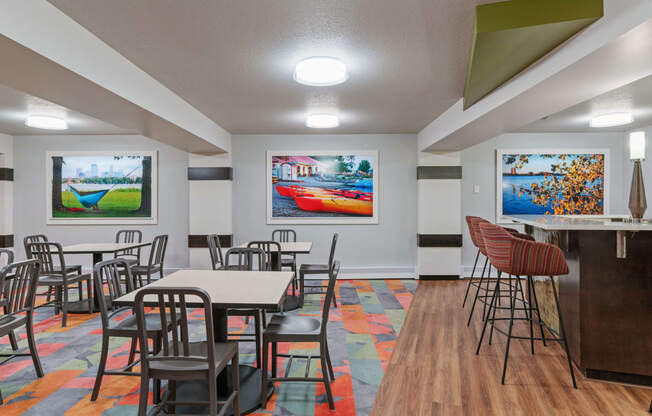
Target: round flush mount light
[(322, 121), (46, 122), (611, 120), (320, 71)]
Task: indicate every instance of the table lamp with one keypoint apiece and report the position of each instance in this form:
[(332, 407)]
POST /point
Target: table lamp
[(637, 199)]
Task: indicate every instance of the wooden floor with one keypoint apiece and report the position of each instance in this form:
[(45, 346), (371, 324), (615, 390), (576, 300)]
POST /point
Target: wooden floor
[(434, 369)]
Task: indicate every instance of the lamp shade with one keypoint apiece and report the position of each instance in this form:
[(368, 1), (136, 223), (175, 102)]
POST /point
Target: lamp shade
[(637, 145)]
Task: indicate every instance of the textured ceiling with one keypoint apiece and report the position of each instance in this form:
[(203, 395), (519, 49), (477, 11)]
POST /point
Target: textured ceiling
[(15, 106), (233, 60), (635, 98)]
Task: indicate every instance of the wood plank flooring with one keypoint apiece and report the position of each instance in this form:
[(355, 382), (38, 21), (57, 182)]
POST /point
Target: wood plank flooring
[(434, 369)]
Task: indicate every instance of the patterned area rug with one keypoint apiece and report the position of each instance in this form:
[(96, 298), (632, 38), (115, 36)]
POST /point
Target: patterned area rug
[(362, 332)]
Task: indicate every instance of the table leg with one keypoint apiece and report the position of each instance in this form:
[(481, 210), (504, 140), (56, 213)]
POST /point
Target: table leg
[(82, 306)]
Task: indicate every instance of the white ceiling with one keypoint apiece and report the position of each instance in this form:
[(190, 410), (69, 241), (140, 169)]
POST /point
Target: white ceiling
[(16, 105), (233, 60), (635, 98)]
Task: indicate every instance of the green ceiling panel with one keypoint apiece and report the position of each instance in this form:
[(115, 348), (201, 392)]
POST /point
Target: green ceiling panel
[(511, 35)]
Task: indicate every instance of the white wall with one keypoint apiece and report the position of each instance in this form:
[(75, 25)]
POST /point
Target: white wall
[(30, 199), (6, 187), (479, 168), (387, 247)]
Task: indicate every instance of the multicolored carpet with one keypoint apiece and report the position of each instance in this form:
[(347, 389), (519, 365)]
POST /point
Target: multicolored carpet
[(362, 332)]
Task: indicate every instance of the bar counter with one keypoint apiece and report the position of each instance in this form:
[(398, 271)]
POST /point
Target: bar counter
[(606, 299)]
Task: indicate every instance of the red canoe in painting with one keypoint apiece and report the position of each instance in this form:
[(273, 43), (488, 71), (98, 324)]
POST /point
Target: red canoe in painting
[(340, 205), (294, 190)]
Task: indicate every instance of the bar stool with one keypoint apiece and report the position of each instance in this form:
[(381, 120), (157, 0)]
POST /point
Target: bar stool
[(474, 228), (520, 257)]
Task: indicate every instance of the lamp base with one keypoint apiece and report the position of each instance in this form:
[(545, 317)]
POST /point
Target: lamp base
[(637, 198)]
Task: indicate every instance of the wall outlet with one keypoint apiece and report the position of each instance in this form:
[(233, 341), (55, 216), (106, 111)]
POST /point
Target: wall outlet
[(476, 189)]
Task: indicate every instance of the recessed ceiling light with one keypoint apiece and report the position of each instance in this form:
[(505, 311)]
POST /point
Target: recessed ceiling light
[(322, 121), (320, 71), (611, 120), (46, 122)]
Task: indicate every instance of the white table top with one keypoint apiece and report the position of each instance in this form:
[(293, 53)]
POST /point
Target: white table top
[(560, 222), (101, 247), (227, 288), (290, 247)]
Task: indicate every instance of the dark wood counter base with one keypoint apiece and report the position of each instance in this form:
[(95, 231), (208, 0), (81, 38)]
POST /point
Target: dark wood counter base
[(606, 302)]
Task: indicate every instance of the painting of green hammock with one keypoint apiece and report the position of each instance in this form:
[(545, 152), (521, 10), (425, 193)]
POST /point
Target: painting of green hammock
[(101, 186)]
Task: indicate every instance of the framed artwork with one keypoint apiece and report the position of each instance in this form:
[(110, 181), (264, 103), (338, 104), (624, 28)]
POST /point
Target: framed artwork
[(322, 187), (552, 182), (101, 187)]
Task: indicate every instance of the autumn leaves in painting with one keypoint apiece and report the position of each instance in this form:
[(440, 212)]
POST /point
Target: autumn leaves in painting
[(559, 183)]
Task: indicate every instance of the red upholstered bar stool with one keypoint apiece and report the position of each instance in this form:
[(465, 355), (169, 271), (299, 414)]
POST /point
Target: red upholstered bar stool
[(474, 240), (520, 257)]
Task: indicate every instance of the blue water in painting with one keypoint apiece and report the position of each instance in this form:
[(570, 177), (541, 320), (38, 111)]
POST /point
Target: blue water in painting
[(513, 204)]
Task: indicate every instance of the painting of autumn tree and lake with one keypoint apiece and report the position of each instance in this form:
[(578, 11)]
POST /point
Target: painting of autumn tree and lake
[(552, 183)]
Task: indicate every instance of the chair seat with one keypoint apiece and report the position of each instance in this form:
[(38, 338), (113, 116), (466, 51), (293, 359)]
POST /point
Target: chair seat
[(224, 352), (10, 322), (152, 320), (69, 268), (142, 269), (314, 268), (131, 261), (288, 262), (292, 326), (57, 279)]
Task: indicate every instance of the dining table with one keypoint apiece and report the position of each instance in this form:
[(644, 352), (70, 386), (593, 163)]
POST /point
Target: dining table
[(293, 301), (97, 250), (227, 289)]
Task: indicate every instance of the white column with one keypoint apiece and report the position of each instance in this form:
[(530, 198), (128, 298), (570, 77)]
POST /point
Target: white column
[(6, 191), (439, 186), (210, 199)]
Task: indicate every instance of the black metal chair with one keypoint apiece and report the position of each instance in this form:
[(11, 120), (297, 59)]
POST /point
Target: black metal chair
[(215, 251), (181, 359), (244, 259), (310, 269), (8, 260), (70, 268), (108, 274), (46, 253), (288, 260), (18, 294), (155, 262), (270, 248), (132, 255), (290, 328)]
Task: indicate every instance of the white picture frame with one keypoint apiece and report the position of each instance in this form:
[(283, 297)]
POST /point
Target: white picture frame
[(112, 220), (372, 155), (503, 218)]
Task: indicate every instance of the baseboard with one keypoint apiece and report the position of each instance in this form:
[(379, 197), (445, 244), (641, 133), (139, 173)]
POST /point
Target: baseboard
[(438, 277)]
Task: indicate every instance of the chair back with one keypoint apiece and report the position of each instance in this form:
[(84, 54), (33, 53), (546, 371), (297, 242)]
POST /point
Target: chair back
[(331, 257), (497, 243), (34, 238), (215, 250), (157, 251), (129, 236), (239, 258), (48, 254), (472, 230), (330, 293), (9, 256), (108, 274), (284, 235), (269, 247), (479, 241), (173, 312), (19, 292)]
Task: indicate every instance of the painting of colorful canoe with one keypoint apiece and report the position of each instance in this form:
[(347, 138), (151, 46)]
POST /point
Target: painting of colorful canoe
[(322, 187)]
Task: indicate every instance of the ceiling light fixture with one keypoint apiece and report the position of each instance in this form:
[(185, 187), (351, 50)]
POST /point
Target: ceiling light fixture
[(320, 71), (611, 120), (46, 122), (322, 121)]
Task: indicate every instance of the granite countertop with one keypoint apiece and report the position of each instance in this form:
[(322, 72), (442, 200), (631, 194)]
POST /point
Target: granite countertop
[(559, 222)]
